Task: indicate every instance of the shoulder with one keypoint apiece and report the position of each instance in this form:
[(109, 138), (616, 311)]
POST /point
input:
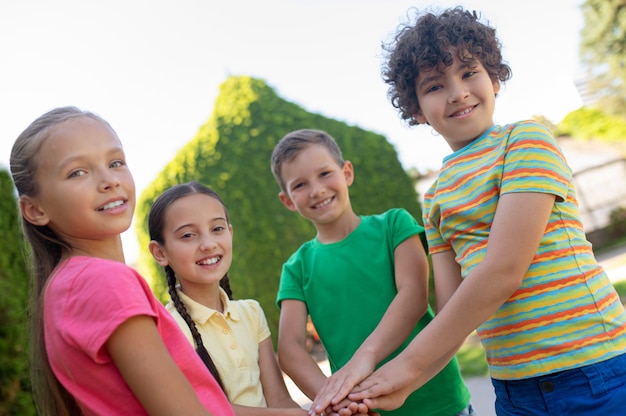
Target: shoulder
[(302, 251), (396, 217), (96, 272), (528, 128), (249, 305), (250, 311)]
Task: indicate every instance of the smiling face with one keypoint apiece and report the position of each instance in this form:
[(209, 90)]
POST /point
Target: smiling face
[(316, 186), (86, 191), (458, 101), (197, 243)]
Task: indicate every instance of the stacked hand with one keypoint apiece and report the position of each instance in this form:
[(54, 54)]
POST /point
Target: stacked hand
[(332, 398)]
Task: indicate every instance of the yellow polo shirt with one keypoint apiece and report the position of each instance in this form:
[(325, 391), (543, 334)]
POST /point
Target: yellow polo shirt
[(232, 339)]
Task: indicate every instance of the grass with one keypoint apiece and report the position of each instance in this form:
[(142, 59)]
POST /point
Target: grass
[(471, 356)]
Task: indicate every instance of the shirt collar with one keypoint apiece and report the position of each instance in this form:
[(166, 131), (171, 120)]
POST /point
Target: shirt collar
[(202, 314)]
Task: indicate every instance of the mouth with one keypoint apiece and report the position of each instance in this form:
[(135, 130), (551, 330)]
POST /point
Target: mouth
[(112, 205), (210, 261), (323, 203), (463, 112)]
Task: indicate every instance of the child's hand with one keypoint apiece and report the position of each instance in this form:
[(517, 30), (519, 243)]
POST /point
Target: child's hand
[(387, 388), (337, 386), (349, 408)]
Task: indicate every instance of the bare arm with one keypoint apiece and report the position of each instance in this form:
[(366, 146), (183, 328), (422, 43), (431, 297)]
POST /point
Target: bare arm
[(447, 277), (403, 313), (516, 232), (149, 370), (274, 388), (293, 356)]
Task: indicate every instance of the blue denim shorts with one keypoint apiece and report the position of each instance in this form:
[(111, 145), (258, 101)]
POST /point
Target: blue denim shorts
[(597, 389)]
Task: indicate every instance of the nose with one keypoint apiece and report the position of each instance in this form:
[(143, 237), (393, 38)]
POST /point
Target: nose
[(207, 243), (109, 180), (458, 92), (317, 188)]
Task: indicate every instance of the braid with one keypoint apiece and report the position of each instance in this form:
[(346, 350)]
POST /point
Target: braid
[(225, 284), (182, 310)]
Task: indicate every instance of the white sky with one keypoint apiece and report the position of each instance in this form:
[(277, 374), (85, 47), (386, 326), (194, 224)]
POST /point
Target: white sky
[(152, 68)]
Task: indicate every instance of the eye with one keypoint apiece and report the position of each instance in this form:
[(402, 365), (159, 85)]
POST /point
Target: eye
[(297, 185), (76, 173), (219, 228), (117, 164), (469, 74), (186, 235), (433, 88)]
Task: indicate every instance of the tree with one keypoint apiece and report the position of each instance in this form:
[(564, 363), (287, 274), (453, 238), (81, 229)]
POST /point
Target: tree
[(15, 389), (591, 123), (603, 49), (231, 153)]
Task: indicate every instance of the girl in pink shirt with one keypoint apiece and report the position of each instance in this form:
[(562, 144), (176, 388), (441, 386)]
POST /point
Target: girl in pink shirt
[(102, 344)]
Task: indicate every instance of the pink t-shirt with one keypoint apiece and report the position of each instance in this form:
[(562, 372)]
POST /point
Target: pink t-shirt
[(85, 301)]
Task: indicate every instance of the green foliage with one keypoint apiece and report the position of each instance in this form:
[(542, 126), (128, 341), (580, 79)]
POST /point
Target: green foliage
[(617, 222), (231, 153), (592, 123), (603, 47), (15, 394), (620, 287)]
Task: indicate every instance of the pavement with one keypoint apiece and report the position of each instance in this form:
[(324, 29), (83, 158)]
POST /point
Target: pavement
[(483, 397)]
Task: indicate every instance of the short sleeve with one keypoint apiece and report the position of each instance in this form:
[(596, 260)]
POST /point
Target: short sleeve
[(534, 162), (262, 328), (436, 243), (291, 280), (402, 225)]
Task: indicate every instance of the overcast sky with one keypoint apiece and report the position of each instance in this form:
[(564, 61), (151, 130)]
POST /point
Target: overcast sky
[(152, 68)]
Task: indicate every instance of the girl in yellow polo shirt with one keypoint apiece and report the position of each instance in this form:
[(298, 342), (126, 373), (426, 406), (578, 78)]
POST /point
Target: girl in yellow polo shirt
[(191, 237)]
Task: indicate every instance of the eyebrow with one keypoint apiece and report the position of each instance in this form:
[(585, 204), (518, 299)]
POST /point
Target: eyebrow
[(428, 80), (462, 66), (79, 157), (216, 219)]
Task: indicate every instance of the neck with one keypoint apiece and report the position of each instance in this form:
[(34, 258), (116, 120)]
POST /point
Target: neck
[(110, 249), (205, 294), (338, 230)]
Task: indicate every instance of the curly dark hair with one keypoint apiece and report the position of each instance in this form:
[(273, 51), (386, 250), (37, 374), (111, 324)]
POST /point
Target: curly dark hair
[(427, 44)]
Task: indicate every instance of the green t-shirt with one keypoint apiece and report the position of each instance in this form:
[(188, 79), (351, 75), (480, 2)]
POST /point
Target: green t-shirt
[(347, 287)]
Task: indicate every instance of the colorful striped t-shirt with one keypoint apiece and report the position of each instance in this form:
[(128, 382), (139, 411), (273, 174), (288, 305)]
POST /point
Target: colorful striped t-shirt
[(566, 313)]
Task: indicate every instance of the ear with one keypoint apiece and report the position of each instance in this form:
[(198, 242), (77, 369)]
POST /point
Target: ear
[(419, 117), (32, 212), (496, 87), (158, 253), (348, 172), (287, 202)]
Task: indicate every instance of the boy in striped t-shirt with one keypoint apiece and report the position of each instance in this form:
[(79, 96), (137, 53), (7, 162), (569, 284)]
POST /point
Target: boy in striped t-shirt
[(509, 253)]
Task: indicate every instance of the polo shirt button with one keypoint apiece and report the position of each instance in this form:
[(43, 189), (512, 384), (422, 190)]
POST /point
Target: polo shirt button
[(225, 331), (234, 346), (547, 386)]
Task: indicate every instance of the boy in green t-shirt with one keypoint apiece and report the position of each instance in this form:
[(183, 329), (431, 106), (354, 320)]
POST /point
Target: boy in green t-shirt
[(362, 279)]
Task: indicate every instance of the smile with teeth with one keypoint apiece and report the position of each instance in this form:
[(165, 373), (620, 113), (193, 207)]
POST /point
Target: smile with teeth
[(462, 113), (208, 262), (111, 205), (323, 203)]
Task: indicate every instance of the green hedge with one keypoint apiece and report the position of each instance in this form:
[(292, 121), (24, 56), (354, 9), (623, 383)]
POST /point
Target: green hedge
[(231, 153), (15, 393)]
